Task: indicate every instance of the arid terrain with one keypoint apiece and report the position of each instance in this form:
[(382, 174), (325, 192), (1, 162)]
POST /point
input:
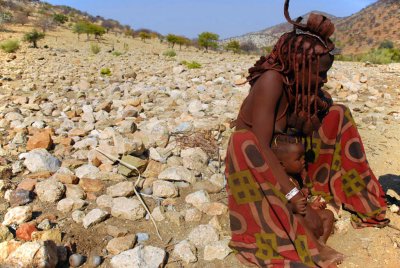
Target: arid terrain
[(174, 123)]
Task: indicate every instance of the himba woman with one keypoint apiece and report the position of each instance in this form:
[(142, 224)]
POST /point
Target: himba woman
[(286, 97)]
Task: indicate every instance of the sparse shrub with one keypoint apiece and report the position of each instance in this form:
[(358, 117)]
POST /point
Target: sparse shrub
[(208, 40), (117, 53), (386, 44), (5, 17), (45, 23), (249, 47), (95, 49), (105, 71), (21, 18), (144, 36), (126, 47), (9, 46), (233, 46), (170, 53), (33, 37), (382, 56), (60, 18), (191, 64)]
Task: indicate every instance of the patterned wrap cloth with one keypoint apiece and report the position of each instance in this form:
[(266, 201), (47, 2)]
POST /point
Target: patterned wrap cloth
[(265, 232)]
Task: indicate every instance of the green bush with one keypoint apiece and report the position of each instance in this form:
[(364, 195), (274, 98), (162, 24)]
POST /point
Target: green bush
[(33, 37), (376, 56), (117, 53), (170, 53), (95, 48), (9, 46), (191, 64), (105, 71)]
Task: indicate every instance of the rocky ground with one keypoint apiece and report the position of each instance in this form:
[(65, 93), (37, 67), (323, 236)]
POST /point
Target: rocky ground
[(57, 111)]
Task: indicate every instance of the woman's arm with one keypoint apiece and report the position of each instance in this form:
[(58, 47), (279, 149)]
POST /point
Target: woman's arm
[(267, 92)]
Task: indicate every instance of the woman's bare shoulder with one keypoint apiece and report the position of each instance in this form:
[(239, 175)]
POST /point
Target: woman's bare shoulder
[(270, 82)]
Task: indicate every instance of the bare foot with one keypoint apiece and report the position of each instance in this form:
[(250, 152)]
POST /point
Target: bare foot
[(331, 257)]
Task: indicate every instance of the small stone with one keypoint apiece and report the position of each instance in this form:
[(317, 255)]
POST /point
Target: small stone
[(94, 261), (185, 252), (5, 234), (77, 216), (158, 214), (193, 215), (178, 173), (119, 244), (217, 250), (203, 235), (45, 225), (40, 160), (25, 231), (93, 217), (18, 215), (207, 186), (126, 188), (69, 204), (50, 190), (86, 170), (194, 158), (139, 257), (74, 192), (214, 208), (394, 208), (197, 199), (214, 222), (164, 189), (92, 185), (134, 161), (76, 260), (20, 197), (174, 217), (142, 237), (128, 209), (27, 184), (40, 140), (66, 178), (115, 231), (104, 201), (52, 234)]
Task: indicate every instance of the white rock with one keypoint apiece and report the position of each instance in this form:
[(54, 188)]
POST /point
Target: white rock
[(195, 106), (394, 208), (194, 158), (185, 251), (125, 188), (104, 201), (193, 215), (197, 199), (178, 173), (120, 244), (50, 190), (128, 209), (93, 217), (18, 215), (40, 160), (139, 257), (77, 216), (203, 235), (69, 204), (164, 189), (158, 214), (85, 170), (29, 254), (217, 250), (74, 192), (352, 98)]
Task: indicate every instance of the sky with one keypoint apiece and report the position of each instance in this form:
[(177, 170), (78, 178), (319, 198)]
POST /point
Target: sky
[(228, 18)]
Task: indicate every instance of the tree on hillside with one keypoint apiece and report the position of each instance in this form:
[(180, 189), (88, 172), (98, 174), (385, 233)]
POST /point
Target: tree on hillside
[(108, 24), (144, 36), (33, 37), (84, 27), (172, 39), (96, 30), (208, 40), (5, 18), (182, 41), (233, 46), (60, 18), (80, 28)]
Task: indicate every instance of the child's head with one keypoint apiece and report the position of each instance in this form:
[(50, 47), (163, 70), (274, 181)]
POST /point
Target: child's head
[(290, 153)]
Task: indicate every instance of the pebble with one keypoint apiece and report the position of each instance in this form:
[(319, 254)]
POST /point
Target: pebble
[(50, 190), (178, 173), (93, 217), (120, 244), (18, 215), (140, 256), (203, 235), (40, 160), (217, 250), (128, 209), (94, 261), (185, 252), (76, 260)]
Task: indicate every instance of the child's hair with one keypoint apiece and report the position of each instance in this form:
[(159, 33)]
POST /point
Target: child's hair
[(280, 144)]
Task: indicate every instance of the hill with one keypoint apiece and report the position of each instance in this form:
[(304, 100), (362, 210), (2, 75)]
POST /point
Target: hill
[(355, 34)]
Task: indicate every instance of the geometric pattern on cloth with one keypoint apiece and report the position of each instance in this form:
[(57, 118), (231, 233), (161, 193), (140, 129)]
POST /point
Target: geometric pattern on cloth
[(267, 246), (337, 158), (302, 250), (314, 144), (352, 183), (244, 188)]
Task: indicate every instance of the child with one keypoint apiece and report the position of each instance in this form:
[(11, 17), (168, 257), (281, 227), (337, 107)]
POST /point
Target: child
[(290, 153)]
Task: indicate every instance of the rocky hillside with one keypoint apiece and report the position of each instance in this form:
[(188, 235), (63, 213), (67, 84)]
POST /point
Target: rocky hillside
[(355, 34)]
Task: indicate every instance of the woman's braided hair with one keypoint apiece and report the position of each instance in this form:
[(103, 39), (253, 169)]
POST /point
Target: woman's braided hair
[(301, 47)]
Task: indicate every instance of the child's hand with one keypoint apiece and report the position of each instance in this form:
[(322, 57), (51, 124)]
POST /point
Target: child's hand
[(299, 204), (318, 204)]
